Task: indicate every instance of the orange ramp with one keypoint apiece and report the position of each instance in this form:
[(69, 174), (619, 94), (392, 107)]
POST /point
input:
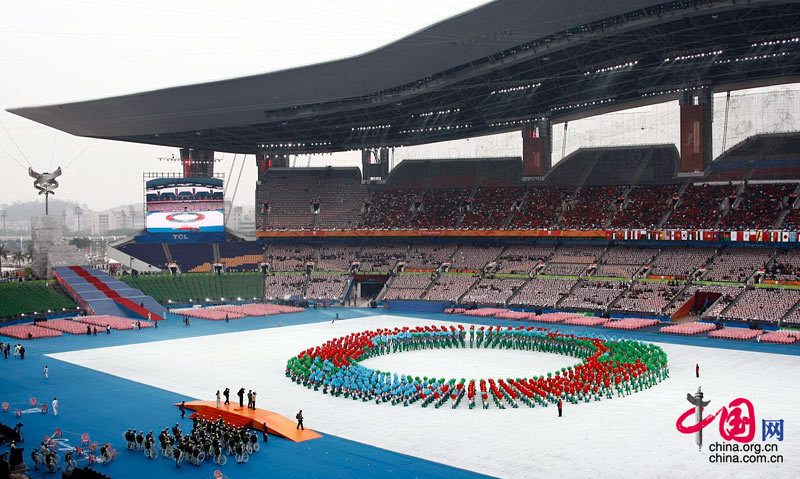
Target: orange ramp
[(277, 424)]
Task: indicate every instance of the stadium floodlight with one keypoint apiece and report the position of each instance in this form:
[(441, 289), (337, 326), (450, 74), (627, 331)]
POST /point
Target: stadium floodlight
[(222, 299), (238, 299), (207, 299)]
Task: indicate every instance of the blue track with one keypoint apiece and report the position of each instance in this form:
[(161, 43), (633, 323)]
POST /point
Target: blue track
[(104, 406)]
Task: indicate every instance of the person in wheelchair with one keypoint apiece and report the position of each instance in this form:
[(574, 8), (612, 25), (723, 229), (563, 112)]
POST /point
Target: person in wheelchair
[(105, 454), (254, 441), (50, 460), (139, 440), (69, 463), (177, 454), (35, 458), (197, 454), (130, 438), (239, 448), (219, 458)]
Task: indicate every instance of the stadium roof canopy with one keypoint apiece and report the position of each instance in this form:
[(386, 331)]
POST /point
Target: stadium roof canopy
[(481, 72)]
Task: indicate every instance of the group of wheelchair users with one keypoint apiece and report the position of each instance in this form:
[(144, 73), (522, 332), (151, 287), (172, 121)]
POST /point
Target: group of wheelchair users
[(209, 439)]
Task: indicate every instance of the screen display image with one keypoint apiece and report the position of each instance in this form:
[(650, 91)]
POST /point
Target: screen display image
[(185, 205)]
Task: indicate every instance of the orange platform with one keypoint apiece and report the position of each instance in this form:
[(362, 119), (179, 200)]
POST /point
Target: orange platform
[(253, 418)]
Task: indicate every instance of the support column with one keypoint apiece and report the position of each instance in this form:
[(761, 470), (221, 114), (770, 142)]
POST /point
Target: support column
[(374, 164), (537, 147), (697, 112), (197, 163)]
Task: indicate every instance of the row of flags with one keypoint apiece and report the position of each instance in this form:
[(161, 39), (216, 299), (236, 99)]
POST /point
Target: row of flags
[(757, 236)]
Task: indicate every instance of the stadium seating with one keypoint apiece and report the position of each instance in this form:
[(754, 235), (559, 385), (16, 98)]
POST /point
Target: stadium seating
[(492, 291), (542, 292), (564, 269), (440, 209), (288, 258), (539, 209), (594, 295), (281, 286), (380, 258), (586, 321), (522, 259), (699, 206), (592, 207), (150, 253), (289, 210), (780, 337), (208, 313), (630, 324), (341, 198), (679, 262), (624, 261), (190, 256), (241, 255), (449, 287), (759, 207), (554, 317), (198, 287), (645, 206), (737, 264), (428, 256), (629, 255), (28, 331), (688, 329), (577, 254), (473, 257), (326, 286), (792, 220), (390, 209), (32, 296), (70, 326), (763, 304), (113, 322), (336, 258), (786, 266), (407, 286), (737, 334), (647, 297), (490, 208)]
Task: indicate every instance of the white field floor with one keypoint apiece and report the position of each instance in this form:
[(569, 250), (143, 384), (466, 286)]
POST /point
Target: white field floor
[(634, 436)]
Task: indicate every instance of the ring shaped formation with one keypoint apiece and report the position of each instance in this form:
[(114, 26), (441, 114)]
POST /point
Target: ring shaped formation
[(606, 367)]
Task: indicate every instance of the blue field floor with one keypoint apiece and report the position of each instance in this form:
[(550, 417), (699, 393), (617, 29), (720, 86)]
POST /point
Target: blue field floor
[(104, 406)]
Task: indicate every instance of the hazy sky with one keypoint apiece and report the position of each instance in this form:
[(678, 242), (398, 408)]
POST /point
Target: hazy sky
[(56, 51)]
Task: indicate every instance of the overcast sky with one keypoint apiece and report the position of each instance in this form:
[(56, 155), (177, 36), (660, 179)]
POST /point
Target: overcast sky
[(56, 51)]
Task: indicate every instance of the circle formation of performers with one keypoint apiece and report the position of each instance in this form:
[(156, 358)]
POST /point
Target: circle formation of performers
[(607, 367)]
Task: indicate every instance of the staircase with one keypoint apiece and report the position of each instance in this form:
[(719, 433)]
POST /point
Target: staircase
[(666, 216), (569, 293), (167, 253), (510, 299), (107, 295)]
